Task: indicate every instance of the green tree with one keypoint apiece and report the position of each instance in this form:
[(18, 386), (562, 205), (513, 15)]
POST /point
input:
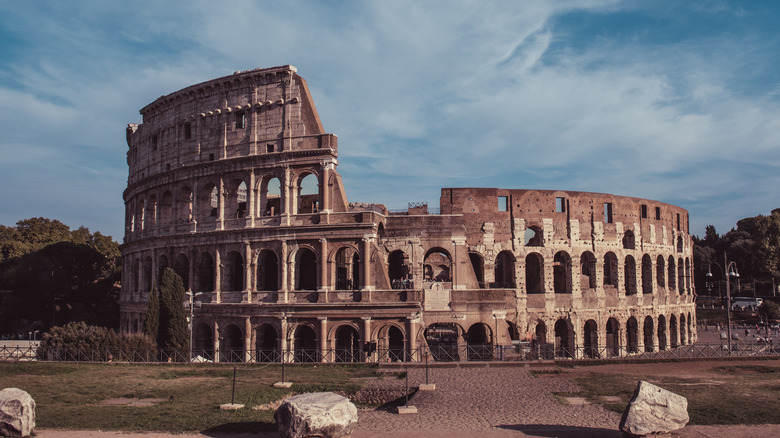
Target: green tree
[(173, 332), (771, 309), (152, 321)]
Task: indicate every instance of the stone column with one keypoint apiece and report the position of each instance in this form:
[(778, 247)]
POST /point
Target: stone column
[(217, 276), (216, 341), (366, 336), (248, 287), (251, 199), (247, 339), (411, 337), (323, 338), (283, 338), (365, 259), (322, 282), (285, 273), (284, 204), (455, 272), (221, 205)]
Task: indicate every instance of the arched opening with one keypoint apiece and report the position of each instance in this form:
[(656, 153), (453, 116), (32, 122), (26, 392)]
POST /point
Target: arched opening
[(166, 208), (233, 272), (673, 331), (630, 276), (628, 240), (610, 270), (660, 272), (587, 270), (478, 265), (305, 344), (151, 213), (395, 344), (236, 200), (534, 273), (182, 268), (308, 194), (162, 265), (268, 271), (184, 205), (613, 337), (479, 345), (232, 344), (680, 277), (672, 272), (543, 349), (632, 335), (563, 347), (647, 275), (591, 339), (347, 344), (688, 276), (136, 286), (442, 340), (648, 331), (661, 333), (505, 270), (203, 342), (270, 197), (147, 274), (306, 264), (679, 244), (140, 212), (205, 272), (437, 265), (398, 270), (562, 273), (347, 269), (208, 202), (533, 236), (267, 344), (682, 329)]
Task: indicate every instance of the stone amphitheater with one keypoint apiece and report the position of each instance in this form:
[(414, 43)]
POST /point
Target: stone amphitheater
[(233, 184)]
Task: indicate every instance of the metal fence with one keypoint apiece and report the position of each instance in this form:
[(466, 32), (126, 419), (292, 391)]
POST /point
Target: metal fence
[(454, 353)]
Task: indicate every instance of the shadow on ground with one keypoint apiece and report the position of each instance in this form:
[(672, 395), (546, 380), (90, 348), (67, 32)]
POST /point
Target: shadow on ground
[(241, 428), (557, 430)]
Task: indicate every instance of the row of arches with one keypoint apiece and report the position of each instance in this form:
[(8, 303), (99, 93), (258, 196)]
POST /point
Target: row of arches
[(614, 338), (208, 202)]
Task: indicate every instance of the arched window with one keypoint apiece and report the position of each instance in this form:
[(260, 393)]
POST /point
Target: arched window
[(478, 265), (182, 267), (647, 274), (628, 240), (308, 194), (648, 332), (233, 272), (270, 197), (306, 263), (562, 273), (268, 271), (347, 269), (587, 270), (505, 270), (610, 269), (166, 209), (660, 271), (398, 269), (236, 200), (681, 276), (206, 273), (437, 265), (672, 272), (534, 273), (630, 276), (184, 205), (632, 335)]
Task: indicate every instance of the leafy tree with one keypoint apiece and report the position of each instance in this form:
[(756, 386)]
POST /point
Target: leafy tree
[(152, 320), (77, 339), (771, 309), (173, 332)]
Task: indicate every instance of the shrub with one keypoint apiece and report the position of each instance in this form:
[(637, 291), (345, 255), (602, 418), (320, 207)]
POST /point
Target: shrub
[(79, 341)]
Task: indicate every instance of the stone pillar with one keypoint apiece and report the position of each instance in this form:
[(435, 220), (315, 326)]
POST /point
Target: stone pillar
[(217, 276), (248, 287), (221, 205), (455, 272), (283, 338), (251, 199), (325, 187), (284, 204), (366, 336), (411, 337), (285, 273), (248, 340), (365, 265), (216, 341), (323, 338), (322, 282)]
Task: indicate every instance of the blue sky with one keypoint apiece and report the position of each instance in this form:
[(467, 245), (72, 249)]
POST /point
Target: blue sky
[(673, 101)]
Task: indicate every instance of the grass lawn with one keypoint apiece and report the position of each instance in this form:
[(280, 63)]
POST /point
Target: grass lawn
[(74, 396), (733, 394)]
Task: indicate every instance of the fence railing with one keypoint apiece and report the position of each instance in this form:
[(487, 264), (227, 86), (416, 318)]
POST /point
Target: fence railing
[(435, 353)]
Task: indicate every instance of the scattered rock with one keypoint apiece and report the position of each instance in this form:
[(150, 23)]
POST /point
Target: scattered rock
[(17, 413), (320, 414), (653, 410), (272, 405)]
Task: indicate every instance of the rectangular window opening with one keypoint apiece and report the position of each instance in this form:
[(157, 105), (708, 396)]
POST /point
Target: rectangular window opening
[(644, 211), (269, 148), (503, 203), (658, 213), (678, 221), (154, 142), (240, 120), (608, 212), (187, 131), (560, 205)]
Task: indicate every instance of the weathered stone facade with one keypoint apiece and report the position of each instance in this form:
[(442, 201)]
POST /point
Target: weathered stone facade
[(233, 184)]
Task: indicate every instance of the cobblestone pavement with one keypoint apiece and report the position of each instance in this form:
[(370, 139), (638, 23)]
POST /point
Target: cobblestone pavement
[(490, 401)]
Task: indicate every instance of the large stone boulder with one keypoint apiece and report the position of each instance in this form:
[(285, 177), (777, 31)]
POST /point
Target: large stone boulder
[(654, 410), (316, 414), (17, 413)]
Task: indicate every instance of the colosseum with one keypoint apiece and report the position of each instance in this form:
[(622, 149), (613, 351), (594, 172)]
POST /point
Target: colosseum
[(233, 184)]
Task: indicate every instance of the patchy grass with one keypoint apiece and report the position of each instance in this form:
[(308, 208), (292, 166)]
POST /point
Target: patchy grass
[(739, 394), (68, 396)]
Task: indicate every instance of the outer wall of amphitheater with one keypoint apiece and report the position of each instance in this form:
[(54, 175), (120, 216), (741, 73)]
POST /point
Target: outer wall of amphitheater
[(233, 184)]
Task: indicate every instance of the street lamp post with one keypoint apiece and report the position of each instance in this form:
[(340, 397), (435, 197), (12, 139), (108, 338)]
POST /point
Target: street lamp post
[(191, 296), (730, 270)]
